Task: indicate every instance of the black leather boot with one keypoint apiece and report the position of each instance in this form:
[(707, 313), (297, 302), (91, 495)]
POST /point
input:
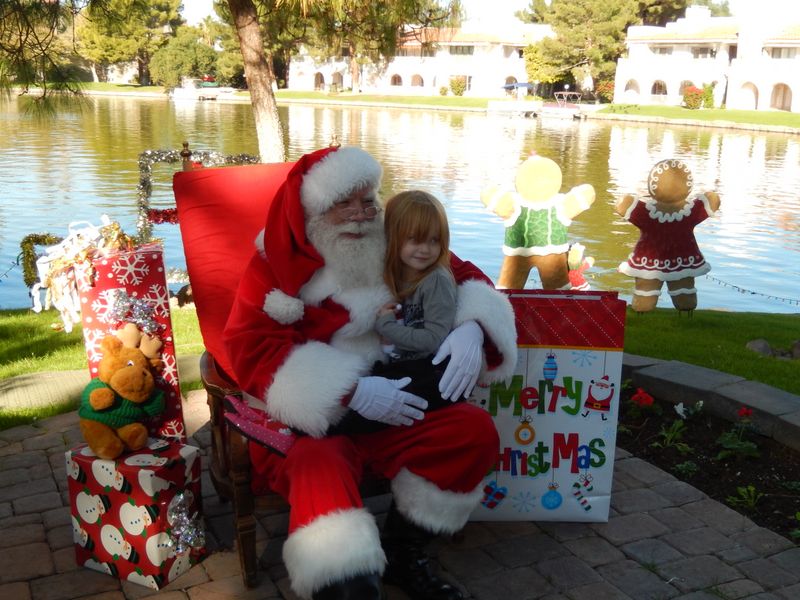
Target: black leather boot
[(361, 587), (409, 567)]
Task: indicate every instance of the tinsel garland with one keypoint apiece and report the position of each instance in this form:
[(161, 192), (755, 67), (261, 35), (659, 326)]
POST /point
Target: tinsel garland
[(129, 309), (147, 216), (185, 530), (28, 246)]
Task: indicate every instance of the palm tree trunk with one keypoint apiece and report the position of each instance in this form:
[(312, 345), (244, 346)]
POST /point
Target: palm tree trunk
[(259, 77)]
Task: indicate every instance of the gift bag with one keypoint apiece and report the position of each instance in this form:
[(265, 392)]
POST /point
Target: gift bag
[(137, 517), (557, 415), (131, 286)]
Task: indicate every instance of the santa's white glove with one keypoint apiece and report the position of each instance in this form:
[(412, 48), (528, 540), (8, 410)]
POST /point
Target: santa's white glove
[(464, 345), (381, 399)]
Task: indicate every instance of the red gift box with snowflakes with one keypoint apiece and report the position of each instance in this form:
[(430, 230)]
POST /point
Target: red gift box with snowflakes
[(136, 517), (138, 277)]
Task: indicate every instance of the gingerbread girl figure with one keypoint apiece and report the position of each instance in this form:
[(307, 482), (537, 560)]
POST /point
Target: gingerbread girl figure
[(667, 250)]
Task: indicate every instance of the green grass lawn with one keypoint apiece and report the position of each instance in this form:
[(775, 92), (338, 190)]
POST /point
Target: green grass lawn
[(716, 340), (752, 117), (713, 339), (29, 343), (122, 87)]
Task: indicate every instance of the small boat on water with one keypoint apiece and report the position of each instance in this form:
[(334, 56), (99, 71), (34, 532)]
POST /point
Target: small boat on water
[(199, 89)]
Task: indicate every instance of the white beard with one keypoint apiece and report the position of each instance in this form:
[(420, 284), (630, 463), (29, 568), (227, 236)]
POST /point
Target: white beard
[(353, 262), (353, 277)]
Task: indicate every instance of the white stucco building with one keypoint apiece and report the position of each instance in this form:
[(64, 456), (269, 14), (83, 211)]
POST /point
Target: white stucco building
[(486, 60), (755, 62)]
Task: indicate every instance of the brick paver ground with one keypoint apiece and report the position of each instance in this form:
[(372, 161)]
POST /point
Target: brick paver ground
[(664, 540)]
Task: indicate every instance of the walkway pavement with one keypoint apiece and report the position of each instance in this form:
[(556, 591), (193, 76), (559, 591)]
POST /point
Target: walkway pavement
[(664, 539)]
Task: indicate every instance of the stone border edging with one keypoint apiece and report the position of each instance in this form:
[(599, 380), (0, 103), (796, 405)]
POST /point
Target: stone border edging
[(776, 413)]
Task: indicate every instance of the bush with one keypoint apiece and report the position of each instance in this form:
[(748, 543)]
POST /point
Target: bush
[(605, 90), (458, 85), (692, 97), (708, 95), (443, 90)]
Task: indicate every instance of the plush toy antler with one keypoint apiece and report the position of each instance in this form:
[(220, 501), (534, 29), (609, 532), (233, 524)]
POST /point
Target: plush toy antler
[(129, 335), (149, 345)]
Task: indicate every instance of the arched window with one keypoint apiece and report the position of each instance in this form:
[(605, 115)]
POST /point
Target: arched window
[(781, 97), (511, 79), (748, 97), (659, 88), (396, 80), (416, 81), (319, 81), (685, 84)]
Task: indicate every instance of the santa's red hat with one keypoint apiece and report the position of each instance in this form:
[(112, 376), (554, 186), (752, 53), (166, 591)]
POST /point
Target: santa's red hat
[(316, 182)]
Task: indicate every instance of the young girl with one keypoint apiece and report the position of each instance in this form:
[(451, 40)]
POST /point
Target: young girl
[(417, 273)]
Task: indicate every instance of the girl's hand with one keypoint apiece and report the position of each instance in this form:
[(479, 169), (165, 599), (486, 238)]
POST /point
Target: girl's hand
[(389, 309)]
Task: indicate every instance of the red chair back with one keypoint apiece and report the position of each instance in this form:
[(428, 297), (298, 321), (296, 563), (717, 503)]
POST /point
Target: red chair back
[(220, 212)]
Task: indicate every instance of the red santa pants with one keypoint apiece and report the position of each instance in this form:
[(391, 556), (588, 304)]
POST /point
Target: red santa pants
[(452, 448)]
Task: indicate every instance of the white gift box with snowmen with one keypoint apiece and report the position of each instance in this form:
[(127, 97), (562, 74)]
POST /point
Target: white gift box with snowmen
[(557, 414), (137, 517)]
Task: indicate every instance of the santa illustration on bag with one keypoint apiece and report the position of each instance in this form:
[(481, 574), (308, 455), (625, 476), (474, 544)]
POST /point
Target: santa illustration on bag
[(599, 397)]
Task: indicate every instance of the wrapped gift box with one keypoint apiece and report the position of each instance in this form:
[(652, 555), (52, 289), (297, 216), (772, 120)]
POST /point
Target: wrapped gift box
[(557, 414), (136, 275), (137, 517)]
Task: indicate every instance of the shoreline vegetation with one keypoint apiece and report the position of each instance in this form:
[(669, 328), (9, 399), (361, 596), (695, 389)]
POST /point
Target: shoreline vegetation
[(773, 121)]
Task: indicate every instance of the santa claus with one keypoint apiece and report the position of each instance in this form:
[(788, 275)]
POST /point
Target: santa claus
[(302, 343)]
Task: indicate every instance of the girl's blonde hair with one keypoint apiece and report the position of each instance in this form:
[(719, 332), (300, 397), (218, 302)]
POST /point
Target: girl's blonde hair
[(418, 215)]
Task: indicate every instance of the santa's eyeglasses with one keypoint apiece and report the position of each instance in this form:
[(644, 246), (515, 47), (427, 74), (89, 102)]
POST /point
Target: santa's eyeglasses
[(348, 213)]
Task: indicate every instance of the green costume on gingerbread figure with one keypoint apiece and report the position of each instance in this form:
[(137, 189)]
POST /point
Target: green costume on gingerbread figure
[(536, 216)]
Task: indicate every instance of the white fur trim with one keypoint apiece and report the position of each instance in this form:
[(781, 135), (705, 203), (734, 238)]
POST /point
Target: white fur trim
[(308, 387), (283, 308), (682, 291), (337, 175), (480, 302), (333, 548), (433, 509), (647, 292), (363, 305), (323, 284), (259, 243)]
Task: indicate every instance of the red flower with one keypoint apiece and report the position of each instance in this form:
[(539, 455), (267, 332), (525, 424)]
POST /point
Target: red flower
[(745, 412), (642, 398)]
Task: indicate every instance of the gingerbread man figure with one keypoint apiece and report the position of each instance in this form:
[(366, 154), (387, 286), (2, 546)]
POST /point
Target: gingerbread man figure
[(537, 216)]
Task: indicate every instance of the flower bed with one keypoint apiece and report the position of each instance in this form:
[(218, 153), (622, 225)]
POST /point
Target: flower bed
[(730, 462)]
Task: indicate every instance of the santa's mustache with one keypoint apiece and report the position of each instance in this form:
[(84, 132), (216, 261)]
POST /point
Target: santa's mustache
[(363, 228)]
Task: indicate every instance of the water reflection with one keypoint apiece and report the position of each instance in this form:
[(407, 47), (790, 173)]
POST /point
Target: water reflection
[(85, 164)]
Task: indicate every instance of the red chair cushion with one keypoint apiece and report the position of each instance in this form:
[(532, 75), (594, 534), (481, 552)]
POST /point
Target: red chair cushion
[(220, 212)]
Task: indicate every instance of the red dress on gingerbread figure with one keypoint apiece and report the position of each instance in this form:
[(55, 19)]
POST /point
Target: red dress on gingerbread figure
[(667, 250)]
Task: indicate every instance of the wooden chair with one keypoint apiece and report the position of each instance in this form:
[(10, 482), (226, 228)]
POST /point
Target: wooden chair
[(220, 212)]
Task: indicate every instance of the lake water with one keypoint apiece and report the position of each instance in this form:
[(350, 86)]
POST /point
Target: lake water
[(84, 163)]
